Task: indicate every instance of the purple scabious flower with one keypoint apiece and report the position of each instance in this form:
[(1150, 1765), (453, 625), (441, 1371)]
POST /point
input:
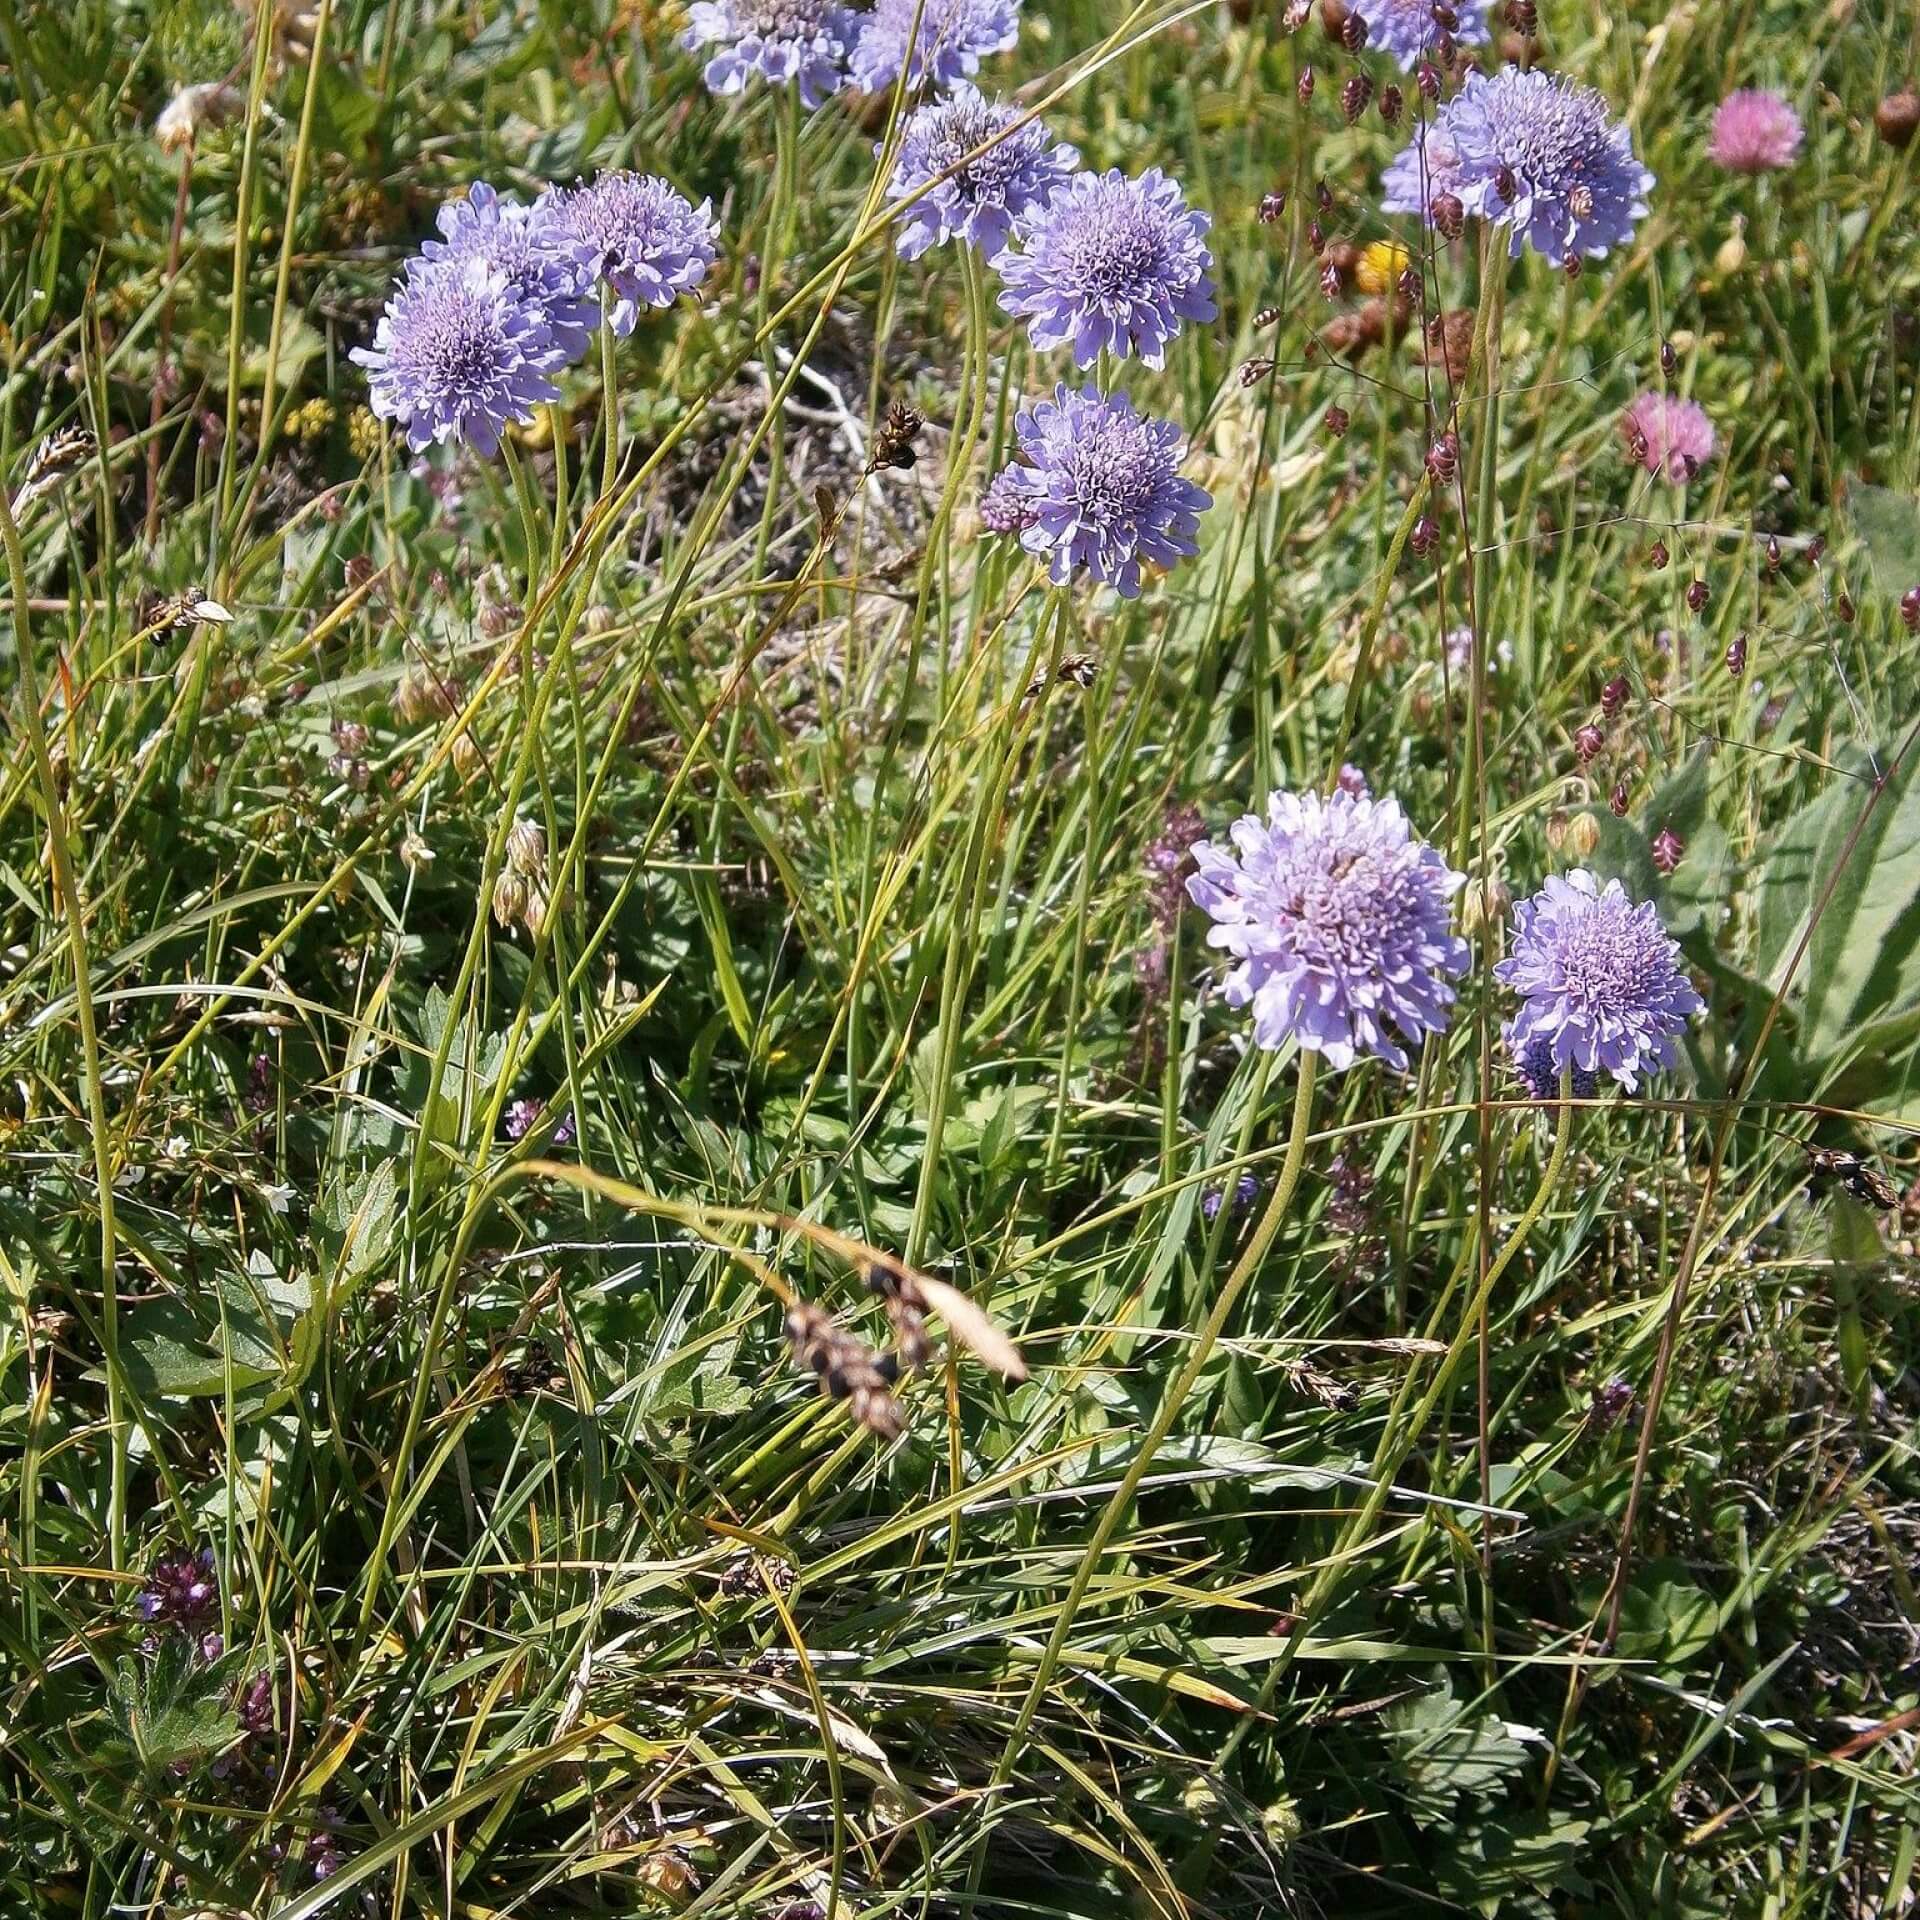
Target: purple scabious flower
[(954, 37), (1754, 132), (456, 356), (1004, 505), (643, 236), (184, 1590), (1534, 149), (1668, 436), (530, 247), (1104, 489), (979, 198), (1246, 1190), (1406, 28), (1339, 920), (780, 40), (1534, 1063), (1110, 263), (1599, 980)]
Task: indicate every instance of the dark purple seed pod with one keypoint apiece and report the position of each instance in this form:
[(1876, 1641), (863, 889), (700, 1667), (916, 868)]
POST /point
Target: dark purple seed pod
[(1668, 849), (1449, 216), (1273, 206), (1698, 594), (1337, 422), (1304, 85), (1737, 655), (1392, 100), (1426, 531), (1443, 459), (1444, 17), (1322, 196), (1773, 556), (1316, 238), (1843, 606), (1669, 360), (1426, 76), (1445, 49), (1574, 267), (1356, 95), (1523, 17), (1353, 33), (1409, 285), (1330, 282), (1657, 556), (1816, 549), (1589, 743), (1615, 695), (1910, 609), (1617, 800)]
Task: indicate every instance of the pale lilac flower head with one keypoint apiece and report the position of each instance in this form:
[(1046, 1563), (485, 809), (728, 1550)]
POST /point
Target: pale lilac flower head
[(979, 199), (1754, 132), (780, 40), (1406, 28), (1004, 506), (1534, 149), (1599, 981), (1668, 435), (644, 237), (1110, 263), (1103, 486), (1339, 920), (457, 355), (530, 246), (954, 37)]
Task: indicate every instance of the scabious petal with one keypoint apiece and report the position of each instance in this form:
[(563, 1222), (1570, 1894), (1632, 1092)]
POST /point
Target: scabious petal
[(1110, 264), (808, 41), (1102, 486), (980, 198), (1339, 919), (1576, 189), (954, 37), (1599, 979)]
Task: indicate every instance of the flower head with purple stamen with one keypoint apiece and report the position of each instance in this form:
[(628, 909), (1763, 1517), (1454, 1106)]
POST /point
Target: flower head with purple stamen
[(780, 40), (1534, 149), (1599, 980), (1103, 486), (643, 236), (1406, 28), (1754, 132), (1110, 263), (1004, 506), (954, 37), (531, 247), (457, 355), (184, 1590), (1339, 920), (1668, 435), (979, 198)]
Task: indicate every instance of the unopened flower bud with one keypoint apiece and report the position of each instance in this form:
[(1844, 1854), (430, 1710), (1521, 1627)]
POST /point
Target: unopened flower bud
[(1581, 836), (527, 849), (1483, 903)]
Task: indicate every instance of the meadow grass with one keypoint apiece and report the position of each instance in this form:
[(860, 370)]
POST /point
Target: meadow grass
[(556, 925)]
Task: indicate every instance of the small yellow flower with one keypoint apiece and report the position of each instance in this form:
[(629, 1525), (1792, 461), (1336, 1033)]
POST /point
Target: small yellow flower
[(363, 433), (310, 420), (1380, 265)]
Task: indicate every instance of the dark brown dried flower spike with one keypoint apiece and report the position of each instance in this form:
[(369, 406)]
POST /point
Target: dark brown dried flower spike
[(50, 462), (896, 443), (849, 1370)]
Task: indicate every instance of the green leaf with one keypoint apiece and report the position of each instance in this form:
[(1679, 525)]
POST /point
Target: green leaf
[(1888, 524)]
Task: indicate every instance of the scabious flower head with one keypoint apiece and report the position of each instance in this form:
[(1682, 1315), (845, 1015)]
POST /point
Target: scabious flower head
[(1102, 483), (954, 37), (640, 234), (1246, 1190), (1754, 132), (980, 199), (1534, 149), (780, 40), (1339, 920), (1004, 506), (457, 355), (184, 1590), (1668, 435), (1599, 981), (1406, 29), (1110, 263), (531, 248)]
